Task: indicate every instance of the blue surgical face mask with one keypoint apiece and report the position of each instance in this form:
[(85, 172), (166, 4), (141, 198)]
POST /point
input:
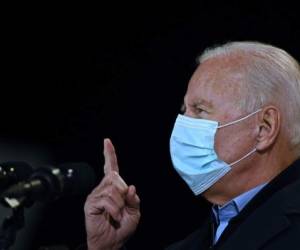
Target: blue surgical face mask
[(193, 153)]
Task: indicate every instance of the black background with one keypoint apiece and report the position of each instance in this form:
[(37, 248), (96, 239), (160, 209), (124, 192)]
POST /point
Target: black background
[(73, 75)]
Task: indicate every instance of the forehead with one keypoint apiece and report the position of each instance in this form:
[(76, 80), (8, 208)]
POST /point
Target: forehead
[(217, 81)]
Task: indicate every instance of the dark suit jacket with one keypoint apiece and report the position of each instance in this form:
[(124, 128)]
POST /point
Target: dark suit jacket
[(270, 221)]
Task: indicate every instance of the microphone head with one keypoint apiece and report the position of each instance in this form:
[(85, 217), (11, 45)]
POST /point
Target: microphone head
[(12, 172), (48, 183), (79, 178)]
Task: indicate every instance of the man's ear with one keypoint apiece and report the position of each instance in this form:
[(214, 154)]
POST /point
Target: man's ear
[(269, 127)]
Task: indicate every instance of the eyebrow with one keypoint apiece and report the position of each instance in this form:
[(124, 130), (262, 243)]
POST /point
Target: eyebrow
[(201, 102)]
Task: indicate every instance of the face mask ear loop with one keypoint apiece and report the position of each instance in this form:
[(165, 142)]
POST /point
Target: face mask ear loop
[(230, 123), (245, 156)]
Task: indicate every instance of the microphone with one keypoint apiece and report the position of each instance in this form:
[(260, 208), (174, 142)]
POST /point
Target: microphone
[(52, 182), (13, 172)]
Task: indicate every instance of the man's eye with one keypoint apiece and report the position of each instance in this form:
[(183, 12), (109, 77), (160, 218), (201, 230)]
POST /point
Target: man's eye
[(199, 110)]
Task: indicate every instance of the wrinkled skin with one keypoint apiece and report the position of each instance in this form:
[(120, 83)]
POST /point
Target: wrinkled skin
[(112, 210)]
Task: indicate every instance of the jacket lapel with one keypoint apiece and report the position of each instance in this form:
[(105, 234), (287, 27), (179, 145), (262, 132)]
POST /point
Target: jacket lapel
[(256, 235), (265, 222)]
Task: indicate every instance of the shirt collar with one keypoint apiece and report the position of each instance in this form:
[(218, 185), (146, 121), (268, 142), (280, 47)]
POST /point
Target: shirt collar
[(242, 200), (235, 206)]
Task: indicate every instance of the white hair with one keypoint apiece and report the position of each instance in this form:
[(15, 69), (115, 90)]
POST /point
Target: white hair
[(272, 76)]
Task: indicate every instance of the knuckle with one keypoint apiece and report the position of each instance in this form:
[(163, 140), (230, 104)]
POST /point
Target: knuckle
[(88, 199), (113, 190), (87, 208), (108, 179), (114, 173), (110, 193), (89, 203), (112, 210), (113, 177), (115, 211), (95, 193)]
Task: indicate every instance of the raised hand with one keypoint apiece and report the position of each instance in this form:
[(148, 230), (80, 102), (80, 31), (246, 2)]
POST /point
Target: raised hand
[(112, 210)]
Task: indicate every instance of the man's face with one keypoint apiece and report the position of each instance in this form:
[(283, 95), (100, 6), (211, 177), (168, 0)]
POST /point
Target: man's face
[(214, 93)]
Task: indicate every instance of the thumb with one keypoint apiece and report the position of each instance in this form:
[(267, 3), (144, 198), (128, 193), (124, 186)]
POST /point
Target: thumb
[(132, 199)]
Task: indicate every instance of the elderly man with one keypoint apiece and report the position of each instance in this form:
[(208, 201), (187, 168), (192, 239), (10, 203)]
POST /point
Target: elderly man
[(236, 144)]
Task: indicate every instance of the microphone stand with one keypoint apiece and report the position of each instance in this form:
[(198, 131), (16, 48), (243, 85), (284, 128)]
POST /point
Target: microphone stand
[(14, 222)]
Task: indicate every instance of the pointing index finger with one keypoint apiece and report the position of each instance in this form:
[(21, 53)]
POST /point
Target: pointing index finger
[(111, 162)]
